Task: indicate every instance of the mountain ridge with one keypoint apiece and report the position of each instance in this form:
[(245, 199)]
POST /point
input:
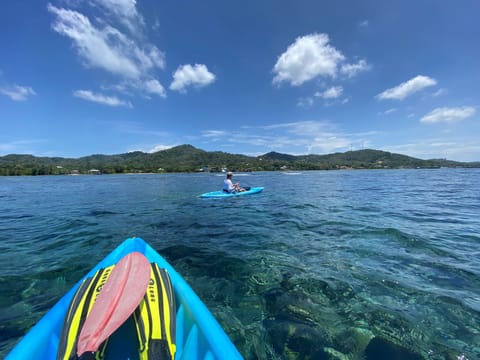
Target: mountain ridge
[(187, 158)]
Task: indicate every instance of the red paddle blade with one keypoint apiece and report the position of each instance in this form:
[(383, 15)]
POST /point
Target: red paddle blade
[(119, 298)]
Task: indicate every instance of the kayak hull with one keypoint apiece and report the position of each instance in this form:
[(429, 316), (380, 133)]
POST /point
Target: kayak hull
[(198, 334), (223, 194)]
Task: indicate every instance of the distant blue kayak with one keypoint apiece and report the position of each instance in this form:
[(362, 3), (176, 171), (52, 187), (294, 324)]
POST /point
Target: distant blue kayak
[(223, 194), (198, 334)]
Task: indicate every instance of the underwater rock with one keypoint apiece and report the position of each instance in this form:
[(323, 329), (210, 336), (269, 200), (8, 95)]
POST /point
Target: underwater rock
[(285, 283), (379, 349), (297, 341), (352, 341), (334, 291), (335, 354), (289, 306), (272, 297)]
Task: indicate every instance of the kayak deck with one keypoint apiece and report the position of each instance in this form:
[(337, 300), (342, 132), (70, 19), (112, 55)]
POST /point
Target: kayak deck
[(223, 194), (198, 334)]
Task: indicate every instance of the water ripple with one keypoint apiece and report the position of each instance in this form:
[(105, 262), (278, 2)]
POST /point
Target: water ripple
[(323, 265)]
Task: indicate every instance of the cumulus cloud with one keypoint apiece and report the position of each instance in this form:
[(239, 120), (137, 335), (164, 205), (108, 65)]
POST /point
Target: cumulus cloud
[(331, 93), (17, 92), (448, 115), (101, 99), (311, 56), (407, 88), (308, 57), (188, 75)]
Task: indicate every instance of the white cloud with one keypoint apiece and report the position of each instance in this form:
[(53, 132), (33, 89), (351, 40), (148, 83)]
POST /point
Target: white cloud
[(101, 99), (323, 137), (154, 87), (308, 57), (458, 149), (311, 56), (17, 92), (124, 10), (188, 75), (302, 137), (105, 47), (350, 70), (160, 147), (115, 40), (439, 92), (331, 93), (448, 115), (312, 136), (213, 133), (300, 127), (388, 111), (407, 88)]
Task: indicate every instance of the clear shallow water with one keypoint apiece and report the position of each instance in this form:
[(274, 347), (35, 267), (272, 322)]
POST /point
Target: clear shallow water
[(316, 266)]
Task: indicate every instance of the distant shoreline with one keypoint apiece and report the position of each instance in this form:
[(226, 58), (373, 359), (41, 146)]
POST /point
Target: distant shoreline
[(239, 173), (188, 159)]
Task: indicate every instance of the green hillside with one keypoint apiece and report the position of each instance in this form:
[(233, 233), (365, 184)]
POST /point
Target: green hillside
[(186, 158)]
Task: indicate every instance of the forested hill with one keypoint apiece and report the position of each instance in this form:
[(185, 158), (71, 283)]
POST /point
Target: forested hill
[(186, 158)]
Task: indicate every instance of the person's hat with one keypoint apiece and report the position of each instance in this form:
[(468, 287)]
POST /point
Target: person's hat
[(229, 173)]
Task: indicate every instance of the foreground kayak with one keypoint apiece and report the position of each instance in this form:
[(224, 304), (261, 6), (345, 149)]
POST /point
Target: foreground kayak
[(198, 334), (223, 194)]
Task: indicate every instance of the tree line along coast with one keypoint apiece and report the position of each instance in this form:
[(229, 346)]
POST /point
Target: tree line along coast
[(186, 158)]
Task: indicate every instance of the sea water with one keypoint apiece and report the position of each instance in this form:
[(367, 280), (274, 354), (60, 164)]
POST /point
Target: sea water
[(364, 264)]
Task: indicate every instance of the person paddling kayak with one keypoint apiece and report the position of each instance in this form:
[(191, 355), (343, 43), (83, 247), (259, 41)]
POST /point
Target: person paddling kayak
[(229, 186)]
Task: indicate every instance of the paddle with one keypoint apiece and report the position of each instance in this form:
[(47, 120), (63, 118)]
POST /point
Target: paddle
[(118, 299)]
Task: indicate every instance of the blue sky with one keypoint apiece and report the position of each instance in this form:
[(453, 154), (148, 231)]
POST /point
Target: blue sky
[(247, 77)]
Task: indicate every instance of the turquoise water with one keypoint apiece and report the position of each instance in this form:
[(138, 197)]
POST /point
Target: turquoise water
[(321, 265)]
